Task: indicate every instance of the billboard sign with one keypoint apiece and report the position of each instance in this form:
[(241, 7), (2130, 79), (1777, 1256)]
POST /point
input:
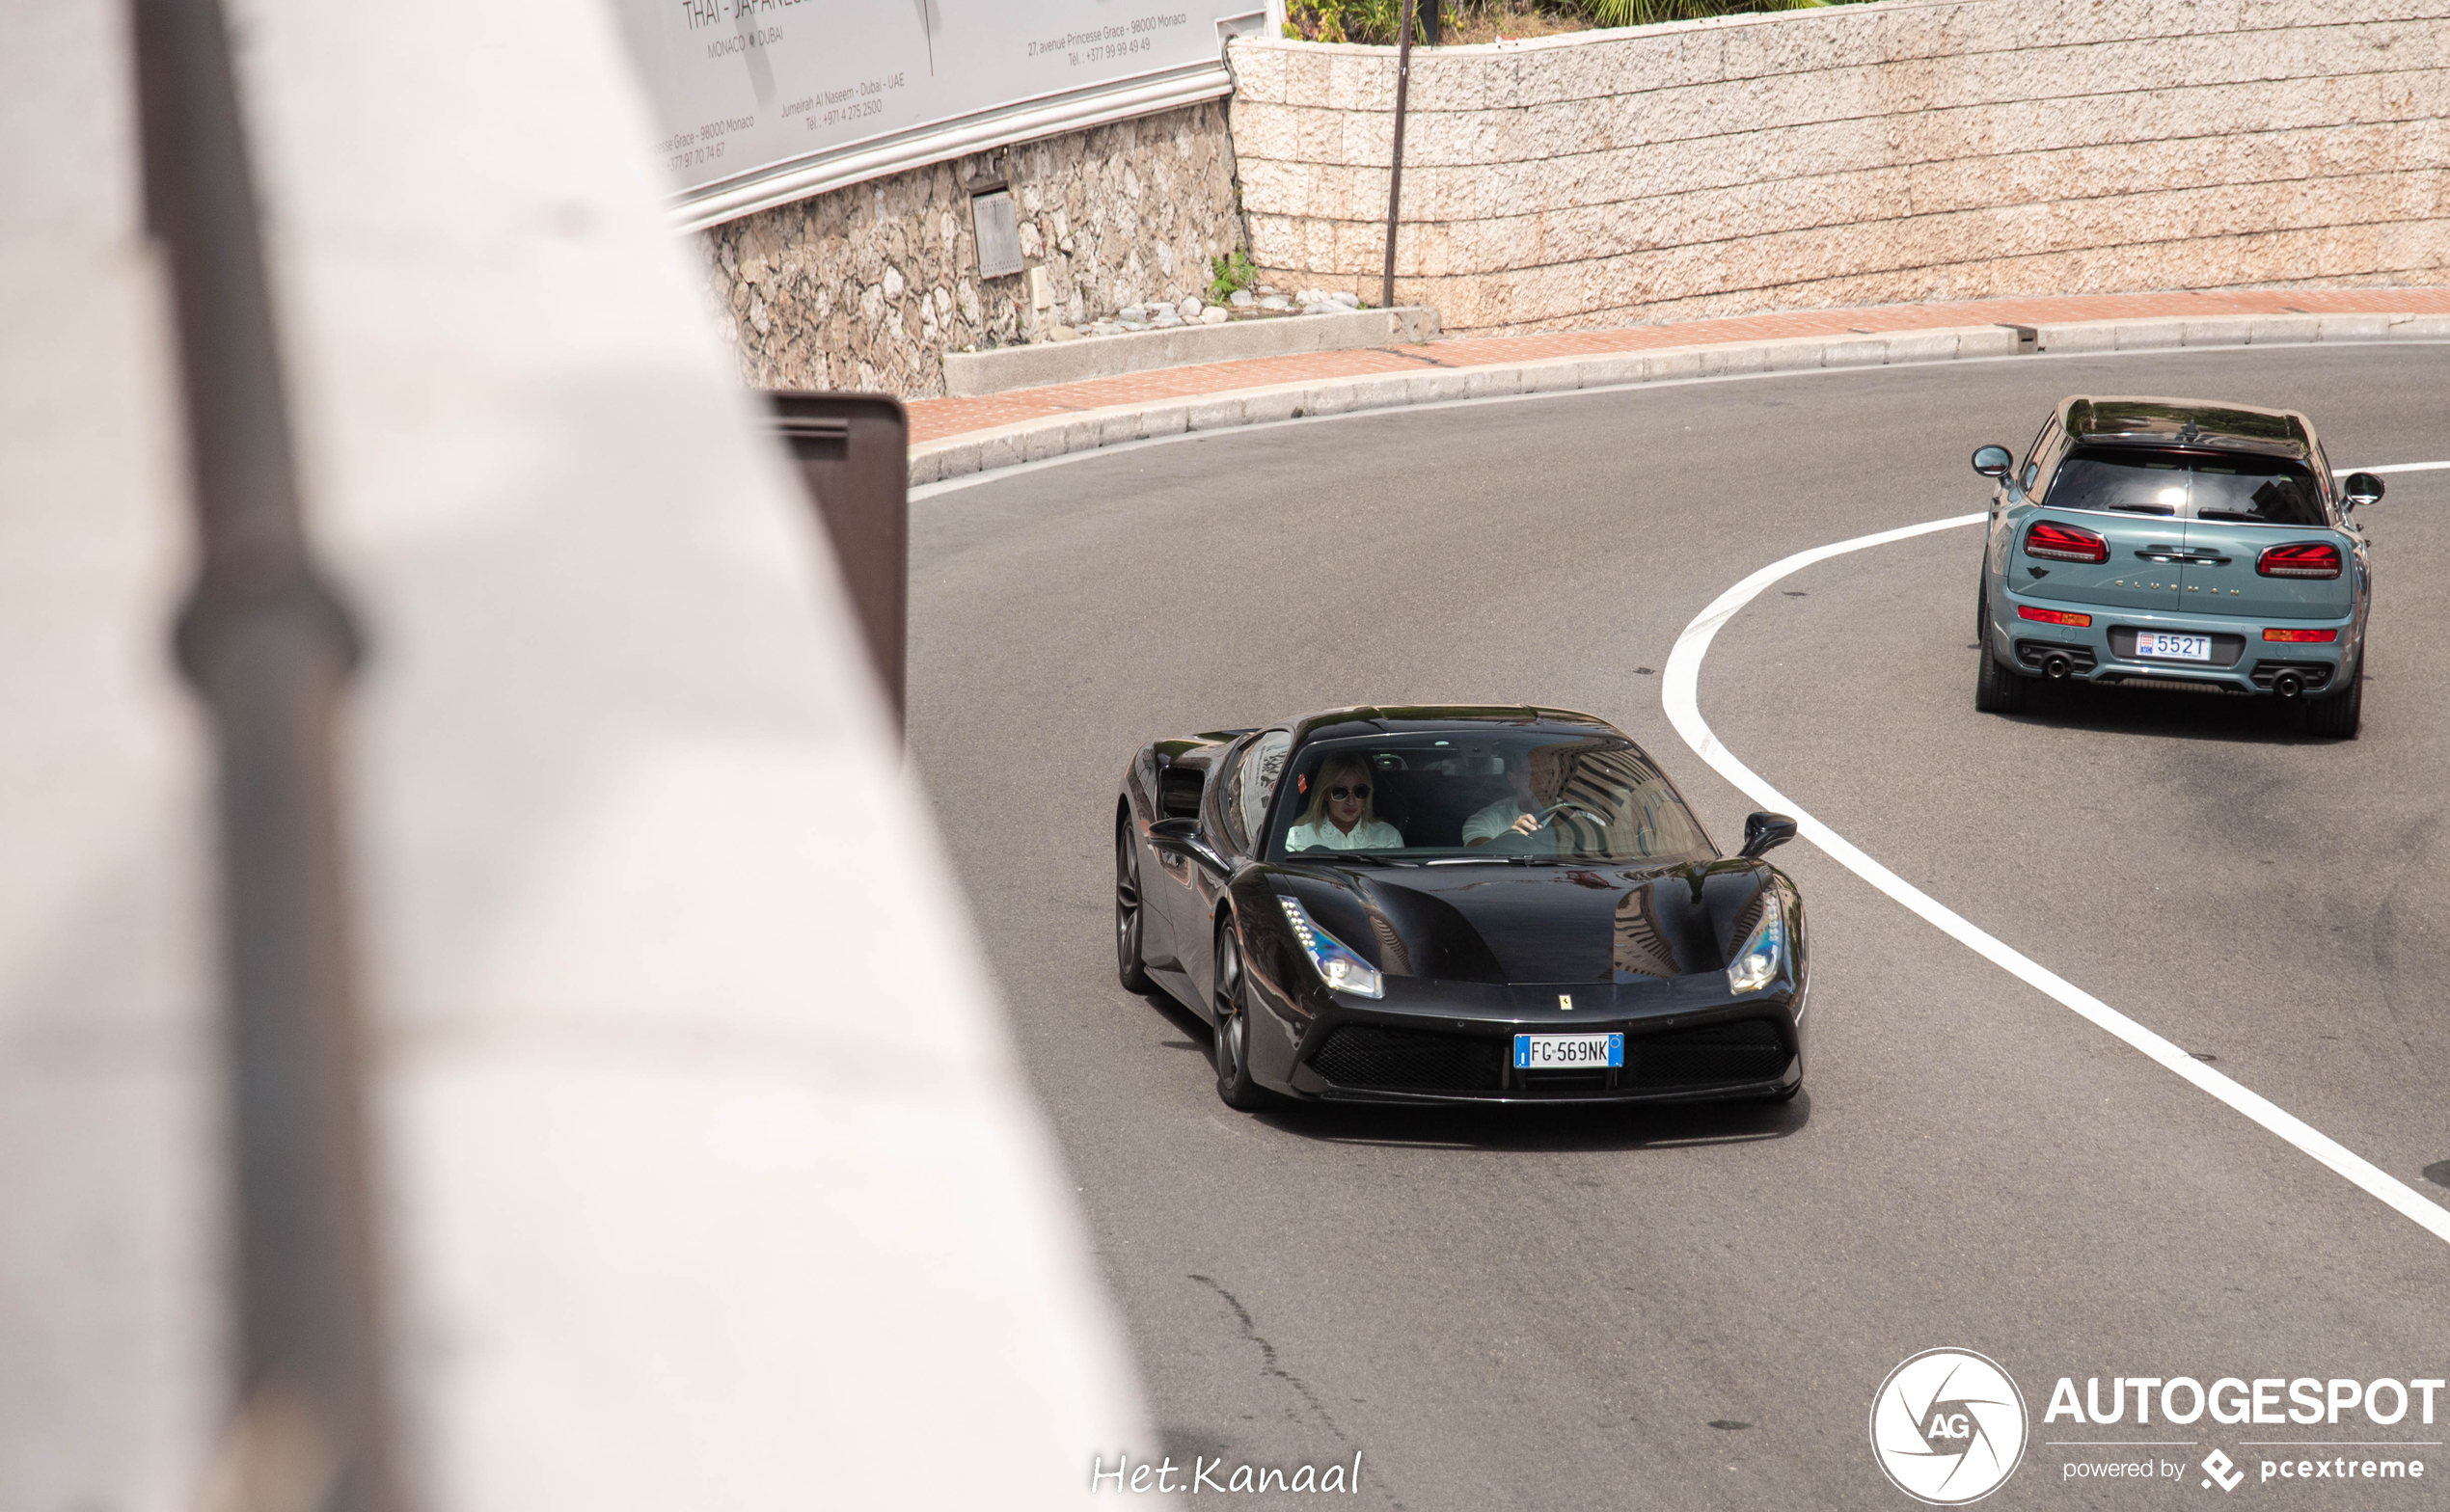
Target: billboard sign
[(764, 102)]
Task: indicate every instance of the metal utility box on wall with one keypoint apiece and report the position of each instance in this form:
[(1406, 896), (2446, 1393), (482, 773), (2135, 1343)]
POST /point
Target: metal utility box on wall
[(854, 452), (998, 228)]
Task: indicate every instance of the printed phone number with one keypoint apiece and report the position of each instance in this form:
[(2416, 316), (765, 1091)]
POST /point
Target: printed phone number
[(1107, 51), (834, 118)]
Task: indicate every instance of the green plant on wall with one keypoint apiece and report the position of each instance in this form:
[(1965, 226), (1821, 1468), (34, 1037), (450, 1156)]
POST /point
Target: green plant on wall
[(1376, 21), (1230, 272), (1646, 13), (1354, 20)]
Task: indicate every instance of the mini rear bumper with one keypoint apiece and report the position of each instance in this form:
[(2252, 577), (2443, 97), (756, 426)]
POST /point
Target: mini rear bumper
[(2242, 660)]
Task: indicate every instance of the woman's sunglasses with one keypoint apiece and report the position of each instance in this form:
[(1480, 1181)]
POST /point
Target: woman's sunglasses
[(1338, 794)]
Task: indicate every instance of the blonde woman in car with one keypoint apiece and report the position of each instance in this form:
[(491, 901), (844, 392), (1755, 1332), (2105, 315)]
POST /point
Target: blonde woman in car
[(1339, 815)]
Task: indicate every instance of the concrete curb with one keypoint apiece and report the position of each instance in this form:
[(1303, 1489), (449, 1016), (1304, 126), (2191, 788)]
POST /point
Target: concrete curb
[(1043, 363), (1087, 430)]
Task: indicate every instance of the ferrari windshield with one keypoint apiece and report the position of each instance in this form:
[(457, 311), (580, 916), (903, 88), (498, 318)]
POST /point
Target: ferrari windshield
[(1495, 794)]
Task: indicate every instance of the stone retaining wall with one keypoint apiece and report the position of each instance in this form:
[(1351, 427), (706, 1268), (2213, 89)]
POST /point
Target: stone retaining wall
[(869, 286), (1865, 154)]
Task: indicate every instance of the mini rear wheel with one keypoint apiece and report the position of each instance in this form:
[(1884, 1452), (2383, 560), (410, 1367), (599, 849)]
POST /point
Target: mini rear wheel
[(1995, 689), (2339, 716)]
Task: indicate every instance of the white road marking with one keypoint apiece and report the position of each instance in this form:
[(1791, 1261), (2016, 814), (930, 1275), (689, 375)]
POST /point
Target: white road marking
[(2396, 466), (1682, 696)]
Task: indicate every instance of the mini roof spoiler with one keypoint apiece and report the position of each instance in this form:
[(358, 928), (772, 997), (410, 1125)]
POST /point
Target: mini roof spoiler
[(2175, 422)]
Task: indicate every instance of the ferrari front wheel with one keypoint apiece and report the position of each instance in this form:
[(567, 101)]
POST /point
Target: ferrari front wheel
[(1234, 1082), (1129, 969)]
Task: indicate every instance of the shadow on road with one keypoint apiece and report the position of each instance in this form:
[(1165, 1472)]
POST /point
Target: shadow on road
[(1547, 1127), (2180, 717)]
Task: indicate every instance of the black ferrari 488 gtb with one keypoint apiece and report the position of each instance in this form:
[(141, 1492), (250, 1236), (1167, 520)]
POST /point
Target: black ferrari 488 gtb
[(1455, 906)]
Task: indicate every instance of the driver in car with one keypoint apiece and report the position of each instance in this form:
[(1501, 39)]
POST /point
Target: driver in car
[(1339, 817), (1517, 813)]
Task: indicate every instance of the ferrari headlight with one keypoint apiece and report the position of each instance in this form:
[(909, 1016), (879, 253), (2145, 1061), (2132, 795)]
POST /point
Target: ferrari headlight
[(1337, 966), (1764, 953)]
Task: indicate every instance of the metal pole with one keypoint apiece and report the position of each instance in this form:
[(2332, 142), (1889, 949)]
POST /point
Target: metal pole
[(268, 647), (1395, 178)]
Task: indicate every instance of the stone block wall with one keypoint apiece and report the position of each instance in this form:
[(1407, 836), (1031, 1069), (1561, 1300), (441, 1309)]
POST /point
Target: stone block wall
[(1863, 154), (870, 286)]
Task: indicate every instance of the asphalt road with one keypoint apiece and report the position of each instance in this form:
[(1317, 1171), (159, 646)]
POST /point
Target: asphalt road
[(1694, 1309)]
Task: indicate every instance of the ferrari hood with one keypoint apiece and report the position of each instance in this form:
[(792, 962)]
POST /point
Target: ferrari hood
[(1539, 924)]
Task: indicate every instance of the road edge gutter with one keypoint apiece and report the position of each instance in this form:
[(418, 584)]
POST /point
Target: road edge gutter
[(1087, 430)]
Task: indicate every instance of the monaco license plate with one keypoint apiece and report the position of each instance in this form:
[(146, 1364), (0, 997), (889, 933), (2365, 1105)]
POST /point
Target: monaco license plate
[(1567, 1052), (2174, 648)]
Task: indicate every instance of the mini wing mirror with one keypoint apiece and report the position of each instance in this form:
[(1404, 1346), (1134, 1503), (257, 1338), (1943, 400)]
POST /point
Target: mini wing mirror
[(1992, 462), (2363, 488), (1175, 829), (1767, 831)]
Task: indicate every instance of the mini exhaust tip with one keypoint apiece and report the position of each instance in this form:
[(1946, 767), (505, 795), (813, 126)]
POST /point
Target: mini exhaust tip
[(2288, 685), (2055, 666)]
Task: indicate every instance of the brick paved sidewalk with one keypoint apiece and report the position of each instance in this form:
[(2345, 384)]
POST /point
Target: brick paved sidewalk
[(933, 420)]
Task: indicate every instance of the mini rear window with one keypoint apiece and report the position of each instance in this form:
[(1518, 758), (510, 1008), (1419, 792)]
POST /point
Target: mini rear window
[(2192, 485)]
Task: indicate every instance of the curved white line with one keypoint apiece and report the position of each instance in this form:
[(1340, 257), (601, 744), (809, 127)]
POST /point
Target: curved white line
[(1680, 694)]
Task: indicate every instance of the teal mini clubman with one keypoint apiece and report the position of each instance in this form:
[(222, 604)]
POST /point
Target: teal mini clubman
[(2176, 543)]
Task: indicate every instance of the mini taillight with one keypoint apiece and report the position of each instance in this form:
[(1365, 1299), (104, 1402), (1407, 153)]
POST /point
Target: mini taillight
[(2299, 560), (2051, 616), (2064, 543), (2300, 635)]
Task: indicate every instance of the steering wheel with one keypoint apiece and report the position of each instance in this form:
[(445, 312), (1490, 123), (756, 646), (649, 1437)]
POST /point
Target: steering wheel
[(1555, 809)]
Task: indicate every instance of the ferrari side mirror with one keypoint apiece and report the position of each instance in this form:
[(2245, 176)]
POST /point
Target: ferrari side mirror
[(1175, 829), (1766, 831), (2363, 488), (1992, 462)]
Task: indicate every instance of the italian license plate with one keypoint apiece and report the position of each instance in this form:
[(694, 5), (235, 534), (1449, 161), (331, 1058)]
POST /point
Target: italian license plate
[(2174, 648), (1567, 1052)]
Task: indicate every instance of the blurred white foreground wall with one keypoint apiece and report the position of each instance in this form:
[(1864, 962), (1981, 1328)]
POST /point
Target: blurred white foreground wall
[(708, 1176)]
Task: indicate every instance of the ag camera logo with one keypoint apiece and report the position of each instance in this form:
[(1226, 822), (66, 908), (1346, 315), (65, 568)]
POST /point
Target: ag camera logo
[(1947, 1427)]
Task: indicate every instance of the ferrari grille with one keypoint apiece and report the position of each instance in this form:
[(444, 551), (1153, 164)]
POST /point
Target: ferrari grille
[(1362, 1055), (1747, 1050)]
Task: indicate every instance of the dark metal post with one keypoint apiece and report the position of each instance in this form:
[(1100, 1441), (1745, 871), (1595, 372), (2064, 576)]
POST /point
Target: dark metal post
[(1394, 177), (268, 647), (855, 460)]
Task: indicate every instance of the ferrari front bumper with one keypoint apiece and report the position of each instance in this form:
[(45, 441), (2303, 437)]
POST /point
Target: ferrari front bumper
[(1688, 1040)]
